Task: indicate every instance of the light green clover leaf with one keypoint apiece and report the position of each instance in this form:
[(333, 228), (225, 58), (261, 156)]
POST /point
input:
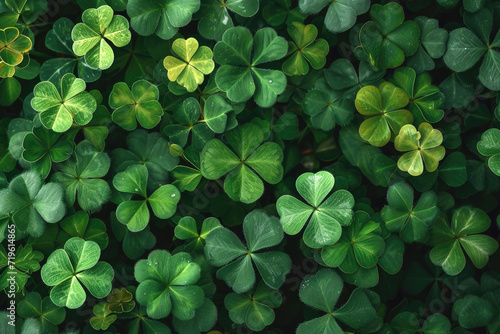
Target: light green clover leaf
[(489, 146), (13, 46)]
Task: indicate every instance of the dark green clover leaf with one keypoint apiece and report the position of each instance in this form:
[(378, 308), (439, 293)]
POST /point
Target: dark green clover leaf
[(387, 40), (325, 217), (401, 216), (359, 246), (255, 310), (102, 318), (79, 225), (31, 204), (163, 17), (463, 234), (59, 108), (322, 291), (120, 301), (25, 262), (204, 319), (82, 176), (475, 312), (422, 147), (137, 104), (383, 107), (187, 229), (466, 47), (67, 269), (240, 56), (194, 62), (341, 14), (134, 244), (251, 158), (407, 322), (305, 49), (489, 146), (425, 98), (90, 37), (167, 283), (223, 248), (135, 213), (278, 12), (50, 315)]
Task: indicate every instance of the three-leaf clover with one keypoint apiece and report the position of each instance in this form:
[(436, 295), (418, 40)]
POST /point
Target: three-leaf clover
[(422, 147), (80, 225), (187, 229), (135, 213), (322, 291), (137, 104), (463, 234), (120, 301), (325, 217), (60, 107), (401, 216), (489, 146), (103, 317), (195, 61), (13, 46), (387, 40), (304, 49), (26, 262), (224, 248), (407, 322), (167, 283), (50, 315), (67, 269), (240, 55), (384, 108), (90, 36), (251, 159)]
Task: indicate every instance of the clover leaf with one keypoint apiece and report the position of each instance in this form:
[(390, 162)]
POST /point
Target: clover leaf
[(137, 104), (187, 229), (134, 244), (82, 176), (466, 47), (304, 49), (79, 225), (135, 213), (425, 98), (475, 311), (387, 40), (167, 283), (163, 17), (50, 315), (102, 318), (31, 204), (240, 55), (341, 14), (325, 217), (407, 322), (120, 301), (90, 36), (224, 248), (25, 262), (322, 291), (463, 234), (251, 158), (13, 46), (194, 62), (489, 146), (254, 309), (59, 108), (384, 108), (412, 222), (78, 263), (359, 246), (204, 319), (422, 147)]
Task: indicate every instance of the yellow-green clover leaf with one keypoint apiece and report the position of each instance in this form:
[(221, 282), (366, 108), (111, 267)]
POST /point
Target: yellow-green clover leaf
[(12, 47)]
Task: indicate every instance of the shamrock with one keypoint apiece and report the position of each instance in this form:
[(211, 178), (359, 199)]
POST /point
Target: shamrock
[(80, 225), (135, 213), (50, 315), (12, 47), (411, 222), (326, 216), (163, 17), (223, 248), (90, 36), (407, 322), (120, 301), (60, 107), (489, 146), (322, 291), (463, 234), (304, 49), (254, 309), (26, 262), (242, 183), (167, 283), (137, 104), (239, 75), (384, 108), (82, 176), (31, 204), (187, 229), (67, 269), (421, 147), (102, 318), (194, 62), (388, 39)]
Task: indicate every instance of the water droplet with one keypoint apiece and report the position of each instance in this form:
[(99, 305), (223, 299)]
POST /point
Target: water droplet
[(173, 195), (270, 81), (136, 189)]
